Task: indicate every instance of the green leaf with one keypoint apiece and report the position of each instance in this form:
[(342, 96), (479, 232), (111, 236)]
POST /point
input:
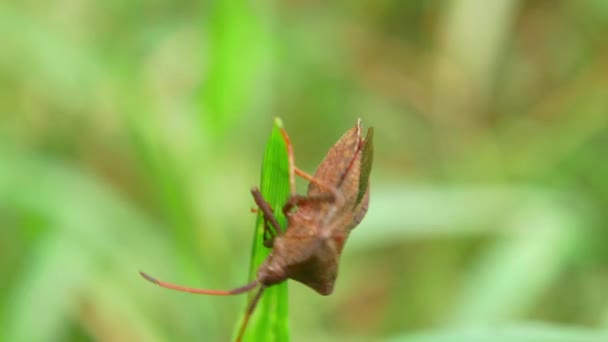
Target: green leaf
[(270, 318)]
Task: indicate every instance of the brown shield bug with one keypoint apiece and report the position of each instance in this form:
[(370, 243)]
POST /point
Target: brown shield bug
[(318, 223)]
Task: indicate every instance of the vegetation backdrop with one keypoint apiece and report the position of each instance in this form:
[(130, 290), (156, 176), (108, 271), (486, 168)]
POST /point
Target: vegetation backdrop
[(132, 131)]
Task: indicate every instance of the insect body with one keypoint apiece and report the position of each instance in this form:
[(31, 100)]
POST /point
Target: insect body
[(318, 224)]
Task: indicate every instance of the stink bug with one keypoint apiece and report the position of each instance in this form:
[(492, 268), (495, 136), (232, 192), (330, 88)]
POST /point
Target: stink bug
[(318, 223)]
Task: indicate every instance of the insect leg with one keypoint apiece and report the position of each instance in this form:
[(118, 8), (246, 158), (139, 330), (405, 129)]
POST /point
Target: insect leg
[(297, 200), (290, 159), (272, 230), (294, 198), (312, 179)]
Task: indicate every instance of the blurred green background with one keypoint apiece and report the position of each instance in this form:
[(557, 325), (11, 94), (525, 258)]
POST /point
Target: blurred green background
[(132, 131)]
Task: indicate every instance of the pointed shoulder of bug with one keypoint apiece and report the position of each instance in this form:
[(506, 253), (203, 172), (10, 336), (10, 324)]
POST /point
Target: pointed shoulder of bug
[(337, 161), (343, 160), (350, 176)]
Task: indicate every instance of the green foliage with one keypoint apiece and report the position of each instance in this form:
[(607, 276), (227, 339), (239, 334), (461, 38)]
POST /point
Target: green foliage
[(130, 132), (521, 333)]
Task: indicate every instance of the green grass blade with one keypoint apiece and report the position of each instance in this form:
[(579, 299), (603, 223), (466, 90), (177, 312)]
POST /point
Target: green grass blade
[(270, 319)]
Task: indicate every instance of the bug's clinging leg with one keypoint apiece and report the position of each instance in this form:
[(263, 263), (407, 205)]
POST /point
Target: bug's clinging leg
[(290, 159), (294, 198), (270, 230), (312, 179), (297, 200)]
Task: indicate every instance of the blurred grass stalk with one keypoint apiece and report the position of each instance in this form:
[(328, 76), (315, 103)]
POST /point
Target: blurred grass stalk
[(72, 221), (270, 318), (528, 332)]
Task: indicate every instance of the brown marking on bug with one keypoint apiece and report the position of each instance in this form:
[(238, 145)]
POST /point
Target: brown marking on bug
[(309, 250)]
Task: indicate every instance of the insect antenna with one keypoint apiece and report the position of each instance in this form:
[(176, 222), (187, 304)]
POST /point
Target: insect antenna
[(250, 307), (238, 290)]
